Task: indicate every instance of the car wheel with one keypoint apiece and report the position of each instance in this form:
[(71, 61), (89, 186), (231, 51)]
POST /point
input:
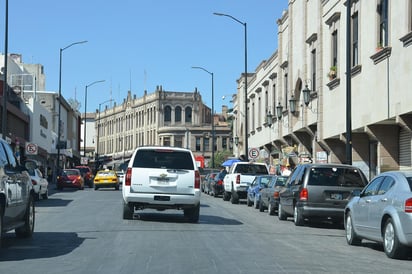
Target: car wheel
[(26, 230), (261, 207), (45, 196), (116, 187), (391, 244), (192, 214), (1, 223), (256, 202), (234, 199), (127, 212), (281, 214), (248, 202), (298, 217), (270, 209), (96, 188), (226, 196), (351, 236)]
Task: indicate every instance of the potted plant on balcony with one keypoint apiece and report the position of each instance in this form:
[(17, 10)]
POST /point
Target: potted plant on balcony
[(332, 73)]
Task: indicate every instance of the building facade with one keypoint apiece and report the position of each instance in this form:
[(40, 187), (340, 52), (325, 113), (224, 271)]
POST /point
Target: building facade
[(166, 118), (301, 105)]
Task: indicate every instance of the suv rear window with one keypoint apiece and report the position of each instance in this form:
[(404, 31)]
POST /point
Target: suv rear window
[(334, 176), (163, 158), (251, 169)]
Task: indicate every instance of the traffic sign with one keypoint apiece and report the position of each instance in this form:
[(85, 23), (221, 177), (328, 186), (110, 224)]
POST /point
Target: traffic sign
[(31, 149), (253, 153)]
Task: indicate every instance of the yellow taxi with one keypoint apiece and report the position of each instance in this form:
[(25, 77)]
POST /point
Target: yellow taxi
[(106, 178)]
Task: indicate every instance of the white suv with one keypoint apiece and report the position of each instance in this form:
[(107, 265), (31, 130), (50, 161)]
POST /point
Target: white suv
[(162, 178)]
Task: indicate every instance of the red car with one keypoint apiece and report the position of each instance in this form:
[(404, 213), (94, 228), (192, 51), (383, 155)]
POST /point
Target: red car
[(87, 174), (70, 178)]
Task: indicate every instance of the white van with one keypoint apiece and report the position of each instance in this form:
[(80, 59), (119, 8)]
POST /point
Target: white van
[(162, 178)]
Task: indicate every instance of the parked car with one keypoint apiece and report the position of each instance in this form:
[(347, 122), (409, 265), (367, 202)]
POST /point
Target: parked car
[(204, 175), (319, 191), (87, 174), (40, 184), (269, 197), (71, 178), (253, 192), (120, 175), (16, 203), (382, 212), (216, 184), (162, 178), (38, 180), (106, 179), (207, 181)]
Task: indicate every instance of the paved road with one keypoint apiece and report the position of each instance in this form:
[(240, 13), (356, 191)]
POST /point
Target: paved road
[(83, 232)]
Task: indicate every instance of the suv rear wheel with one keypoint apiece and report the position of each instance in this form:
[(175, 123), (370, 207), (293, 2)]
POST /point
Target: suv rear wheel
[(298, 217), (281, 214), (192, 214), (127, 213)]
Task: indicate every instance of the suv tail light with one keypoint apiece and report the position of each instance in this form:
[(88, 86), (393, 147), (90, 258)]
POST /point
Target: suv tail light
[(303, 196), (408, 205), (197, 179), (276, 194), (33, 182), (238, 179), (128, 177), (220, 182)]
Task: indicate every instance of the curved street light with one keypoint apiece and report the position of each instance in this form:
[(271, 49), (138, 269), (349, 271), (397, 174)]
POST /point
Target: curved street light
[(246, 111), (60, 94), (213, 116), (85, 113)]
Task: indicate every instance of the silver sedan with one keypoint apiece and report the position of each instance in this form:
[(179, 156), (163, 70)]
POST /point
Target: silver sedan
[(382, 212)]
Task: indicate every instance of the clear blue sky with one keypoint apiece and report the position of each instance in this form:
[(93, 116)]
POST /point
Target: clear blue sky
[(136, 45)]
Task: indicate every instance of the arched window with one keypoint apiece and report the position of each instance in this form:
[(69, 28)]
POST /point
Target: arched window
[(178, 114), (168, 114), (188, 114)]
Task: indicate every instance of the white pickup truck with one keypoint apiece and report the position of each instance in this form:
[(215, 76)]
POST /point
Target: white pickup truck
[(239, 178)]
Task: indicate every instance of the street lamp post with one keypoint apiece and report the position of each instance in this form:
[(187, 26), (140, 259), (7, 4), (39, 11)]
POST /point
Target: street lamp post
[(98, 130), (245, 75), (60, 95), (5, 87), (213, 113), (85, 113)]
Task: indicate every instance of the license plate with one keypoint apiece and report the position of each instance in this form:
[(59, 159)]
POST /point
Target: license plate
[(336, 196), (163, 181)]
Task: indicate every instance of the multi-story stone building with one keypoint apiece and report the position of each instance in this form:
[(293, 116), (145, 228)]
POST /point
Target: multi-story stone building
[(302, 106), (167, 118)]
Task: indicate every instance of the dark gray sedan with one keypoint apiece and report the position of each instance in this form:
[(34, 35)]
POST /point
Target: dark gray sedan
[(382, 212)]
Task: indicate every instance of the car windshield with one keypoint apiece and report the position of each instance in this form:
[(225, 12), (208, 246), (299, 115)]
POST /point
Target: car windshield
[(71, 172)]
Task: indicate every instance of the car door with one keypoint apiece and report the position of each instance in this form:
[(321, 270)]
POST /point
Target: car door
[(360, 211), (377, 204), (292, 189)]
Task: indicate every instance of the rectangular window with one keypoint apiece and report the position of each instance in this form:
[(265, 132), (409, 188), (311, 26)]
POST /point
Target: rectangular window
[(355, 39), (206, 144), (383, 23), (166, 141), (197, 143), (178, 141), (313, 67), (224, 143), (335, 48), (285, 99)]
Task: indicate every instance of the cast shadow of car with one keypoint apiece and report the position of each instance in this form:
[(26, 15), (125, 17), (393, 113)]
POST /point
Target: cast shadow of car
[(322, 224), (41, 245), (179, 218), (53, 202)]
